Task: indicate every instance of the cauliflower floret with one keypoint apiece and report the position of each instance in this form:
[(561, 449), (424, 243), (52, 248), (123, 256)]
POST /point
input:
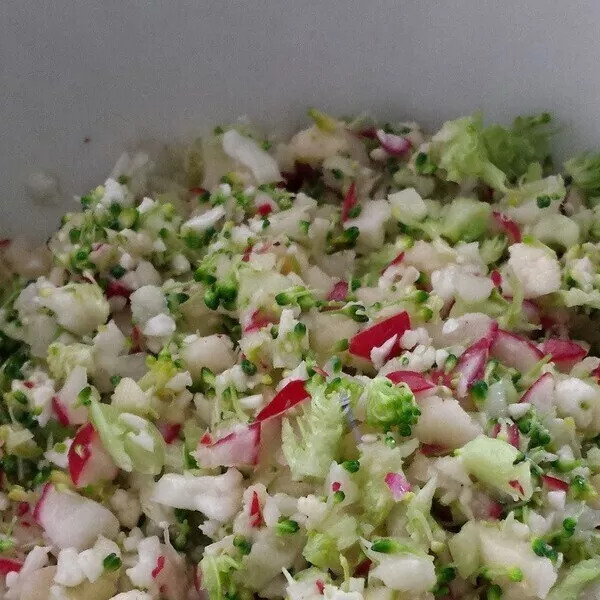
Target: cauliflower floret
[(126, 507), (212, 351), (575, 398), (68, 570), (79, 307), (147, 302), (535, 268)]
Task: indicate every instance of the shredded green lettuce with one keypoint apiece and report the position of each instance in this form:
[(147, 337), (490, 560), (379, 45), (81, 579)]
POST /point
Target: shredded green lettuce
[(466, 220), (459, 148), (576, 579), (495, 463), (134, 443), (514, 149), (63, 358), (585, 172), (311, 450)]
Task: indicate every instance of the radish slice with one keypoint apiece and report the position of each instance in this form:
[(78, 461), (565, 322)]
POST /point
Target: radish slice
[(532, 311), (60, 411), (240, 447), (89, 462), (496, 278), (540, 393), (10, 565), (350, 200), (565, 353), (376, 335), (515, 351), (398, 485), (433, 450), (169, 431), (257, 321), (495, 510), (471, 365), (256, 518), (117, 289), (508, 226), (290, 395), (339, 292), (72, 521), (396, 145), (396, 261), (415, 381), (555, 484), (65, 402)]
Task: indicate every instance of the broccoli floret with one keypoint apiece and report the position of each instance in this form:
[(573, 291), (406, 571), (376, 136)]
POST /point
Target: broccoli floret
[(390, 406)]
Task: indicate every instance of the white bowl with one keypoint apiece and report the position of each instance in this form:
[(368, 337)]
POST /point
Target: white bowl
[(115, 72)]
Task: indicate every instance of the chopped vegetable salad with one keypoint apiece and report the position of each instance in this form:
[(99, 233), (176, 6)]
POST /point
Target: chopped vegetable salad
[(356, 364)]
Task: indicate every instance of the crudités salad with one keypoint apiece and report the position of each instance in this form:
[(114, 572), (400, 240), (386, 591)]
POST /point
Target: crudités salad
[(356, 364)]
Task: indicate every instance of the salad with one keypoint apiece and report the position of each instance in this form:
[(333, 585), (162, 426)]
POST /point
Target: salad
[(355, 364)]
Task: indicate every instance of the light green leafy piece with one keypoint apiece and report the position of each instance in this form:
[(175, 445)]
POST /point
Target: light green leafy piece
[(133, 442), (312, 441)]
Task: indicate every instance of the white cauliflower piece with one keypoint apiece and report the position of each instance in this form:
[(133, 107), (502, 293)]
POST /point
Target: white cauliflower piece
[(577, 399), (127, 508), (79, 307), (536, 269)]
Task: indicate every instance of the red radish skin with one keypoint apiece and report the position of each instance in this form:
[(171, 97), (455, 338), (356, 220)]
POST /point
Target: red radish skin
[(60, 411), (206, 439), (376, 335), (513, 435), (396, 261), (89, 462), (471, 364), (169, 431), (433, 450), (320, 586), (239, 448), (515, 485), (417, 382), (398, 485), (508, 226), (336, 486), (496, 278), (495, 511), (197, 191), (350, 199), (565, 353), (87, 519), (257, 321), (363, 568), (160, 565), (540, 393), (395, 145), (256, 518), (339, 292), (136, 340), (117, 289), (554, 484), (10, 565), (264, 209), (291, 394), (247, 253), (515, 351)]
